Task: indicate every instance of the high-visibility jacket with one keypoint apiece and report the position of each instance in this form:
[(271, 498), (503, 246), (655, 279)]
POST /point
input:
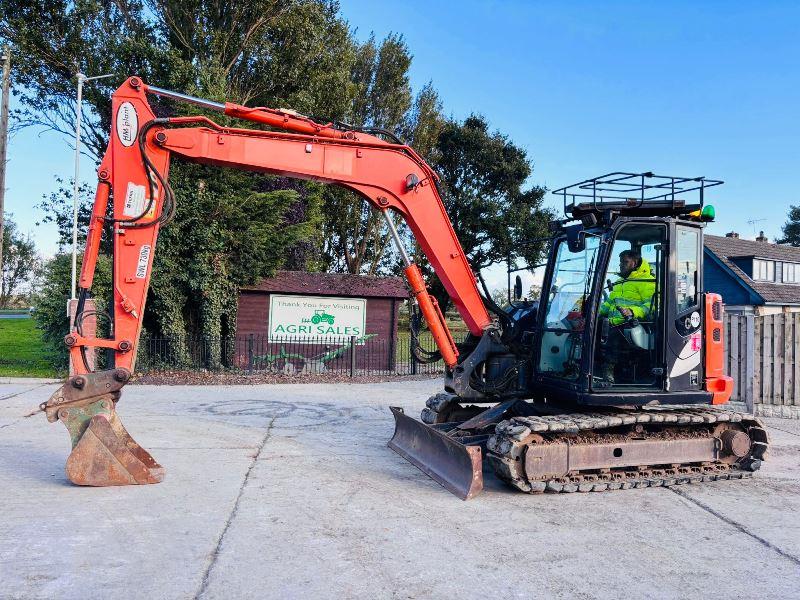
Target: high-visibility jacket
[(634, 292)]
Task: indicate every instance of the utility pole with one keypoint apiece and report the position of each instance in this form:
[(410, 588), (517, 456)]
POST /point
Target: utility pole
[(72, 304), (4, 141)]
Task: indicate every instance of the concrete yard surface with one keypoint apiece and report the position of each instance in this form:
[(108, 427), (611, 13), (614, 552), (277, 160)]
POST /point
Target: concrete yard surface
[(289, 491)]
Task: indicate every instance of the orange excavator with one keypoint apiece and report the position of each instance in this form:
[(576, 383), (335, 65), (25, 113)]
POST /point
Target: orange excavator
[(611, 380)]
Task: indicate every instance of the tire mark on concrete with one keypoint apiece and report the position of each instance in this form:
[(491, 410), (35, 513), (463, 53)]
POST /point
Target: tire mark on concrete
[(215, 554), (202, 447), (14, 395), (738, 526), (25, 391), (784, 430)]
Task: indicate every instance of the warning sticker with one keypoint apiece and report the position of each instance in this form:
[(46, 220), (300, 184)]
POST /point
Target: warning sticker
[(134, 200), (696, 342), (144, 260), (683, 284)]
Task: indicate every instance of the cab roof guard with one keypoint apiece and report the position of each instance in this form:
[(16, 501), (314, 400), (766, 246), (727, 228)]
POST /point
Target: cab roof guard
[(639, 193)]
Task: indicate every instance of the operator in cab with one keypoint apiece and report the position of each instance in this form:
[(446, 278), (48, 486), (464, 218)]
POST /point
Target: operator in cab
[(630, 297)]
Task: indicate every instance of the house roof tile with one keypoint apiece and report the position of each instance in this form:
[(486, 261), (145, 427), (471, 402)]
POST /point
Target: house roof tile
[(726, 248)]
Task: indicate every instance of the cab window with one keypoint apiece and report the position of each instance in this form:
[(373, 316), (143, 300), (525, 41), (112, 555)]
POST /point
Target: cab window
[(570, 287), (686, 269)]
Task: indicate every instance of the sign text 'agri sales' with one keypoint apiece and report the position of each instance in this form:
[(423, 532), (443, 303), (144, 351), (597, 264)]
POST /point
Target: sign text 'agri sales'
[(312, 317)]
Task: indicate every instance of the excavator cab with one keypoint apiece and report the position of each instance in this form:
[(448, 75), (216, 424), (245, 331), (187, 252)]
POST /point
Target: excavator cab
[(622, 315), (628, 328), (621, 319), (582, 383)]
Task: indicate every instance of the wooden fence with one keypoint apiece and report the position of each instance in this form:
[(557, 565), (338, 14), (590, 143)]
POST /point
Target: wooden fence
[(762, 354)]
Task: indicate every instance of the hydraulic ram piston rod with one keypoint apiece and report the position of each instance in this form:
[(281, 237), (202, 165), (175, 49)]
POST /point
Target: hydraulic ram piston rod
[(218, 106), (427, 304), (396, 237)]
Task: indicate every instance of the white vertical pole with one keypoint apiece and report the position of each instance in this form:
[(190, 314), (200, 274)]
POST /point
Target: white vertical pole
[(76, 184), (6, 86)]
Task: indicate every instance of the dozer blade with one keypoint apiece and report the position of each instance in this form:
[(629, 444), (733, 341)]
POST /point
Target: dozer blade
[(103, 452), (457, 467)]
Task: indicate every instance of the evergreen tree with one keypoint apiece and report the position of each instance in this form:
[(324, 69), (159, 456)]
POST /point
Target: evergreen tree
[(51, 301), (356, 236), (482, 179), (791, 229), (231, 227), (21, 263)]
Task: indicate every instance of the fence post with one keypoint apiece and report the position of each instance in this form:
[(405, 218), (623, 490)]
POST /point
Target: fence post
[(412, 339), (749, 362), (392, 336), (352, 356), (795, 358), (250, 355)]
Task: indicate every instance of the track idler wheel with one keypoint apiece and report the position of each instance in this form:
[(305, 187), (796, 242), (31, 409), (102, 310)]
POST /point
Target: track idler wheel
[(446, 408), (103, 452)]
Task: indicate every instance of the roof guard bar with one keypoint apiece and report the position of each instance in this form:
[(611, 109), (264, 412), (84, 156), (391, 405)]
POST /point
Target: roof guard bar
[(635, 190)]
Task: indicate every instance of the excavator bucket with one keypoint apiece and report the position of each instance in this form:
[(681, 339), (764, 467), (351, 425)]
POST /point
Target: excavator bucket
[(106, 454), (453, 463), (103, 452)]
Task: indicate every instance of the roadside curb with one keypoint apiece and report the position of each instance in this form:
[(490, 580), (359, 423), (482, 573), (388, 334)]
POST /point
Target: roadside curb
[(28, 380), (779, 411)]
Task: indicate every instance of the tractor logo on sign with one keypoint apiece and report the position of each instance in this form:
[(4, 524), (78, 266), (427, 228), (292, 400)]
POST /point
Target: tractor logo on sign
[(308, 318), (320, 316)]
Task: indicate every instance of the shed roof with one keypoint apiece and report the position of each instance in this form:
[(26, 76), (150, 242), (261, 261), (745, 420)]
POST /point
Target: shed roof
[(332, 284), (727, 248)]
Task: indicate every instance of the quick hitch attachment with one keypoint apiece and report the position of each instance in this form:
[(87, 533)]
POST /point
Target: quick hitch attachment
[(103, 452)]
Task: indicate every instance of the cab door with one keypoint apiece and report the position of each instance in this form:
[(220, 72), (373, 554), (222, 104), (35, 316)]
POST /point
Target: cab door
[(629, 336), (685, 319)]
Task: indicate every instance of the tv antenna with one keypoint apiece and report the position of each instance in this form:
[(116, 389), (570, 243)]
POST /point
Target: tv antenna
[(753, 223)]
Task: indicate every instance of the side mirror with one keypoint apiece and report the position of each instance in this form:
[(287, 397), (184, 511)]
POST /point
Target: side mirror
[(576, 239), (518, 288), (605, 328)]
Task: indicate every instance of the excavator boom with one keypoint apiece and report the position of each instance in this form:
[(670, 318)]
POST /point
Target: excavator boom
[(135, 173)]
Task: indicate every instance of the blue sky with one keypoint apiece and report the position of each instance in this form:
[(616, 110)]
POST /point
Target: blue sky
[(683, 88)]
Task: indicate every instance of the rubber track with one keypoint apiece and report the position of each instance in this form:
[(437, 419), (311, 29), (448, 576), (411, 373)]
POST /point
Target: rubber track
[(505, 449)]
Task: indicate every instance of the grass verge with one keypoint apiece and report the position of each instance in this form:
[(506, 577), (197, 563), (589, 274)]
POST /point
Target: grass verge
[(22, 352)]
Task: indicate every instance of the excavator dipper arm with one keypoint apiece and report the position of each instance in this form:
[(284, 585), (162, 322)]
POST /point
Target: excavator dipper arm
[(134, 172)]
